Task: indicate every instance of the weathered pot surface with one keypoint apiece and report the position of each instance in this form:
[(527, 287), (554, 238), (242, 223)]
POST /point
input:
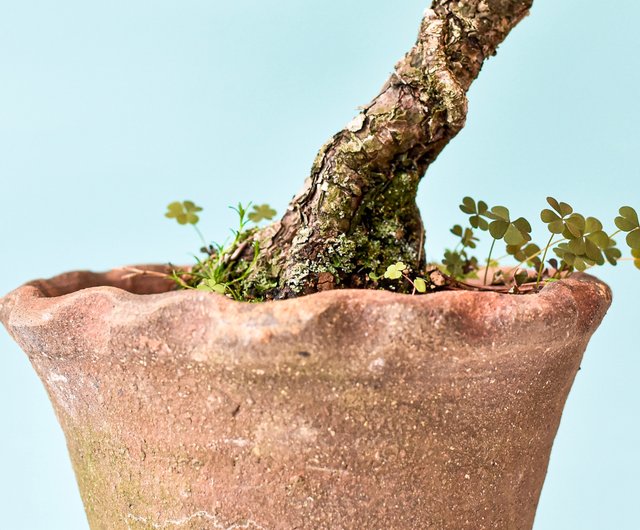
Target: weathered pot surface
[(340, 410)]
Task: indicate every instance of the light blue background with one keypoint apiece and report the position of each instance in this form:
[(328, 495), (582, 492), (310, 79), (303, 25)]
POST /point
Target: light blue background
[(110, 110)]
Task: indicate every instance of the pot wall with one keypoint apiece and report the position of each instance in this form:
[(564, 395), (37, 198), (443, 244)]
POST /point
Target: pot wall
[(340, 410)]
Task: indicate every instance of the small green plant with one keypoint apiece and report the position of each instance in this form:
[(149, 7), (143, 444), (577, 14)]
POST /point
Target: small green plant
[(578, 243), (400, 270), (225, 266)]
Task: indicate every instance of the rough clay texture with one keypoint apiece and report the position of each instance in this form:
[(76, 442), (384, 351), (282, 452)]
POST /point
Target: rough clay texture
[(341, 410)]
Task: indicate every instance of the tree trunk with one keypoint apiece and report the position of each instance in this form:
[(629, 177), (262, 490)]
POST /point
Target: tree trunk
[(357, 213)]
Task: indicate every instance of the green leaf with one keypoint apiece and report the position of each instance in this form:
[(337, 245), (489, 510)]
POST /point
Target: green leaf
[(592, 225), (580, 264), (549, 216), (636, 254), (468, 240), (624, 224), (593, 252), (565, 209), (577, 246), (454, 263), (613, 255), (421, 285), (499, 213), (395, 271), (468, 205), (630, 215), (521, 277), (556, 227), (513, 236), (562, 208), (476, 212), (183, 212), (190, 207), (457, 230), (261, 212), (211, 286), (633, 239), (522, 225), (554, 204), (599, 238), (575, 225), (478, 222), (498, 229)]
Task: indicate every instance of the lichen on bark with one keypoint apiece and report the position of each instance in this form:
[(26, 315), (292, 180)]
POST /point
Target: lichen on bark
[(357, 212)]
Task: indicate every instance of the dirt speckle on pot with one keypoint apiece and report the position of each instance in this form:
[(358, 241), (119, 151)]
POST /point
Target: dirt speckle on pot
[(341, 410)]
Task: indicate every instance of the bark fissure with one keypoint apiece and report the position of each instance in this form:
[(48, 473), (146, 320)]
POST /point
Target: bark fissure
[(357, 213)]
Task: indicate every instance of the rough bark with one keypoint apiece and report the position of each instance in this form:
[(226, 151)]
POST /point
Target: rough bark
[(357, 213)]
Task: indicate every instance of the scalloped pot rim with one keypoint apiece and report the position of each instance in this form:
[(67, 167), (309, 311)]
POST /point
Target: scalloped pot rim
[(582, 294)]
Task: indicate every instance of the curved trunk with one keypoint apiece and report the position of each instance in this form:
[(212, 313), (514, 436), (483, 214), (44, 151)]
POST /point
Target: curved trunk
[(357, 213)]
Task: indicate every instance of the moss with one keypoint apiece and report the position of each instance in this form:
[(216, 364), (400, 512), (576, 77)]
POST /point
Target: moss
[(386, 228), (102, 468)]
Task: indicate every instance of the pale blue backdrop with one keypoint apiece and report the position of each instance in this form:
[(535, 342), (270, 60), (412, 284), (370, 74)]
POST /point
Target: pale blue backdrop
[(109, 110)]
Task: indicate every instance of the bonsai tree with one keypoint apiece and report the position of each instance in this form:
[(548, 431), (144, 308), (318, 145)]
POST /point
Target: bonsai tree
[(356, 223), (357, 212)]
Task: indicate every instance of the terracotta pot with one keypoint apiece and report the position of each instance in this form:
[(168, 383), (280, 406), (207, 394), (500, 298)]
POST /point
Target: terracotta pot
[(340, 410)]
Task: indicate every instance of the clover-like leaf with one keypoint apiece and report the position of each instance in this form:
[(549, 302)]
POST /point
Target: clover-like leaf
[(520, 277), (636, 255), (557, 221), (577, 246), (184, 212), (612, 254), (395, 271), (586, 238), (498, 229), (628, 219), (476, 211), (628, 222), (261, 212), (592, 252), (562, 208), (499, 213), (518, 233), (529, 254), (575, 226), (514, 232), (211, 286), (563, 252), (468, 240), (420, 285), (454, 263), (598, 238)]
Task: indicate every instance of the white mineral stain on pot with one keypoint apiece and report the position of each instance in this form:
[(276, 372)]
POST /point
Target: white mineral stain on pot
[(377, 364), (57, 378)]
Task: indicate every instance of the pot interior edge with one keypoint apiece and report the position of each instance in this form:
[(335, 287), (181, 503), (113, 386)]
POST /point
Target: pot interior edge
[(120, 278)]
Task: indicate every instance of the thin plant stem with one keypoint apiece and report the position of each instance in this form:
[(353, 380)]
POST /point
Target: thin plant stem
[(204, 241), (486, 271), (544, 257), (553, 244), (406, 277)]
